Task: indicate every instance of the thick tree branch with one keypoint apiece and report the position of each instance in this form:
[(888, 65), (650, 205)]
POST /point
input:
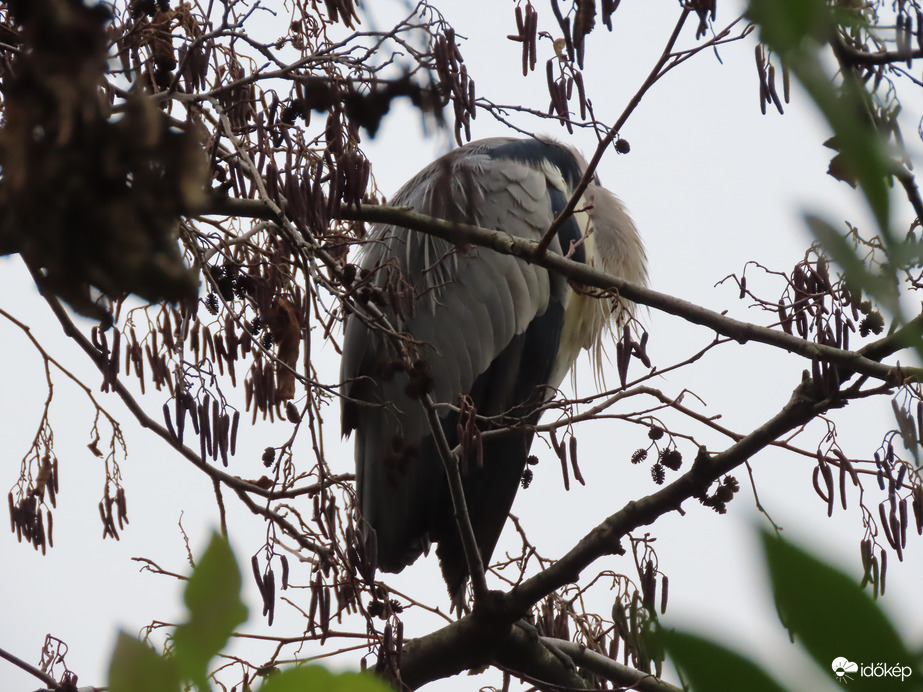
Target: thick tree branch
[(469, 641), (605, 538), (605, 667), (464, 234), (740, 331)]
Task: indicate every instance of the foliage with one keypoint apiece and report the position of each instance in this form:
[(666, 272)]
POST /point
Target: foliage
[(156, 148), (215, 609), (826, 611)]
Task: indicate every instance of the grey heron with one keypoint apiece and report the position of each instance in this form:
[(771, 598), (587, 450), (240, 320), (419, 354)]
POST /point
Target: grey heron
[(484, 325)]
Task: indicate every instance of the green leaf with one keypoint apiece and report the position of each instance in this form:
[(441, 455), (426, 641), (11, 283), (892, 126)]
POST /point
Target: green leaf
[(311, 678), (136, 667), (709, 667), (786, 24), (215, 609), (832, 617)]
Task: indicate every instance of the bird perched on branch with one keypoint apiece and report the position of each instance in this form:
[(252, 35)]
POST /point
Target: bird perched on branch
[(471, 325)]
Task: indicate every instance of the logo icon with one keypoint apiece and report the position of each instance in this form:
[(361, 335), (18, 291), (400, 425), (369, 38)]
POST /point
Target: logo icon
[(842, 667)]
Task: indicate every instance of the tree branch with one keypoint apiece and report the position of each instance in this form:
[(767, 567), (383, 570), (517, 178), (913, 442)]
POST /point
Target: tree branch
[(464, 234), (738, 330), (853, 56), (605, 538), (30, 669), (469, 641), (605, 667)]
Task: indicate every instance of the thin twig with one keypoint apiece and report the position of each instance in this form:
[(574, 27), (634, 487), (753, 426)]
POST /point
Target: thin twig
[(457, 492), (29, 668), (541, 248)]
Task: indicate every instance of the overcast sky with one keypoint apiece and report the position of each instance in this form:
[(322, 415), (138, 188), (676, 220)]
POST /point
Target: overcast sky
[(710, 183)]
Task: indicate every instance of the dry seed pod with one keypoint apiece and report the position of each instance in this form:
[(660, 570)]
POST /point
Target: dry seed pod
[(39, 537), (399, 642), (785, 319), (223, 438), (255, 566), (114, 359), (215, 426), (896, 533), (844, 461), (901, 472), (269, 596), (581, 94), (828, 481), (764, 89), (169, 420), (664, 588), (843, 485), (772, 90), (235, 422), (614, 644), (573, 460), (179, 410), (816, 480), (220, 353), (801, 322), (648, 585), (102, 516), (562, 456), (330, 515), (555, 445), (882, 572), (874, 572), (122, 506), (621, 361), (886, 526), (917, 506), (324, 615), (865, 552), (316, 589), (284, 562)]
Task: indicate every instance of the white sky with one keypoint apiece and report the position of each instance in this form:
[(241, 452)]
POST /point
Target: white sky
[(711, 184)]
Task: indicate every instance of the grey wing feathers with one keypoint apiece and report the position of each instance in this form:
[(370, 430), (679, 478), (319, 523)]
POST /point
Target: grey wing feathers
[(486, 324)]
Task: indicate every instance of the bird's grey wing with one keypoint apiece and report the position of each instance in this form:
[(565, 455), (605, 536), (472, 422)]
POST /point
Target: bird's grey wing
[(483, 323)]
